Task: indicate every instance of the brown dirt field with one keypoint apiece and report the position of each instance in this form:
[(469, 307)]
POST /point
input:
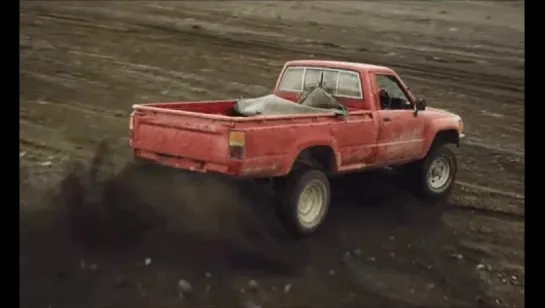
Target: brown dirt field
[(82, 66)]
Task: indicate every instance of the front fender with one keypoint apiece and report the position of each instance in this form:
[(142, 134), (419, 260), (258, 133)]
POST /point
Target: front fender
[(448, 130)]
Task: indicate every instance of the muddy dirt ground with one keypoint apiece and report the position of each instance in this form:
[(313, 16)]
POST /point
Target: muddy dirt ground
[(157, 238)]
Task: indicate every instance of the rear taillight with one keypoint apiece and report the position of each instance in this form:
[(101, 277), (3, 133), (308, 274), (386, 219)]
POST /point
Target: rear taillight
[(131, 121), (237, 145), (131, 126)]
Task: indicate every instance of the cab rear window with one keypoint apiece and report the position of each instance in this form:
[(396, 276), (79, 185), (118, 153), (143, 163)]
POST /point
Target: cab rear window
[(340, 83), (312, 78), (292, 79)]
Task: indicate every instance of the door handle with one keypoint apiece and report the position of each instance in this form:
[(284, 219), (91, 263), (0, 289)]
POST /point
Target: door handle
[(387, 119)]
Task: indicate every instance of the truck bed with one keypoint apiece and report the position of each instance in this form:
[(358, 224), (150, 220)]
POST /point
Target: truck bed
[(219, 107), (195, 136)]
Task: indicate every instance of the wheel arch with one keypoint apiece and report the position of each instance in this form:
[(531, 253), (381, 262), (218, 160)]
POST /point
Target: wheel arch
[(444, 136), (322, 157)]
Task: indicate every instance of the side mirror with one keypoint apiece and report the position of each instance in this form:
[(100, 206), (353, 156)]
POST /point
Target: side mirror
[(420, 104)]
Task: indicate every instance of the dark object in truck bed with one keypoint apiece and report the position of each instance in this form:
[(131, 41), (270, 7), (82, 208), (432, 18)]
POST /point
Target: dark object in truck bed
[(315, 101)]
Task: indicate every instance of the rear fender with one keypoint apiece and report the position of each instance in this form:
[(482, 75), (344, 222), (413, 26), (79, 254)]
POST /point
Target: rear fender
[(294, 152)]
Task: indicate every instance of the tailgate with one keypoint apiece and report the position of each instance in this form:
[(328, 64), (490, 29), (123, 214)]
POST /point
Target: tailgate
[(180, 135)]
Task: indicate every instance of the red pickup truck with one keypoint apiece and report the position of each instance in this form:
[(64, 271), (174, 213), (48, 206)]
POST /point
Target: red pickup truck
[(378, 123)]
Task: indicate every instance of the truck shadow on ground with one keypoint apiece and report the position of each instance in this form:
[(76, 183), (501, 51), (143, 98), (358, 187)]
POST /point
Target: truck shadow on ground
[(191, 223)]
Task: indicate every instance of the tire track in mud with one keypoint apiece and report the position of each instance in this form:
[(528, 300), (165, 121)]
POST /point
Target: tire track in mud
[(476, 142), (198, 38), (500, 214), (90, 110), (491, 190), (57, 130), (141, 26), (45, 152), (44, 139), (62, 150), (439, 71), (443, 73), (192, 83)]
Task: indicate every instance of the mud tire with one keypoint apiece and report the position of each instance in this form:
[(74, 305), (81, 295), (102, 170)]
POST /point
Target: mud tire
[(303, 190), (434, 176)]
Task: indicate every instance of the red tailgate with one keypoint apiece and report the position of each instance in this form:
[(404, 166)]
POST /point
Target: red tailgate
[(179, 135)]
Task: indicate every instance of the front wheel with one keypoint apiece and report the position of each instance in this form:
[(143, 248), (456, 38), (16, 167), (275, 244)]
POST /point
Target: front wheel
[(304, 201), (435, 175)]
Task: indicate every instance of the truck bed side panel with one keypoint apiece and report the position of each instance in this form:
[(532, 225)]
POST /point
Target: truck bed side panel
[(273, 148)]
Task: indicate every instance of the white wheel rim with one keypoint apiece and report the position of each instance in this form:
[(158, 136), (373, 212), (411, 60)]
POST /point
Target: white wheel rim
[(439, 174), (311, 203)]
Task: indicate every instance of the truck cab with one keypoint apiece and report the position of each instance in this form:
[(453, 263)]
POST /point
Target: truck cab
[(349, 83), (397, 125)]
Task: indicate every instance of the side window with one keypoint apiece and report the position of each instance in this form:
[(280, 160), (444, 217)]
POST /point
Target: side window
[(292, 80), (391, 94), (312, 78), (391, 85), (349, 85)]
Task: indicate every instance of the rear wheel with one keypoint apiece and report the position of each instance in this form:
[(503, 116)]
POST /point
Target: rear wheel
[(304, 201)]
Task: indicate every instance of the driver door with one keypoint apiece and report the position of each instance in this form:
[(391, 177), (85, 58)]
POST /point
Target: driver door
[(401, 133)]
